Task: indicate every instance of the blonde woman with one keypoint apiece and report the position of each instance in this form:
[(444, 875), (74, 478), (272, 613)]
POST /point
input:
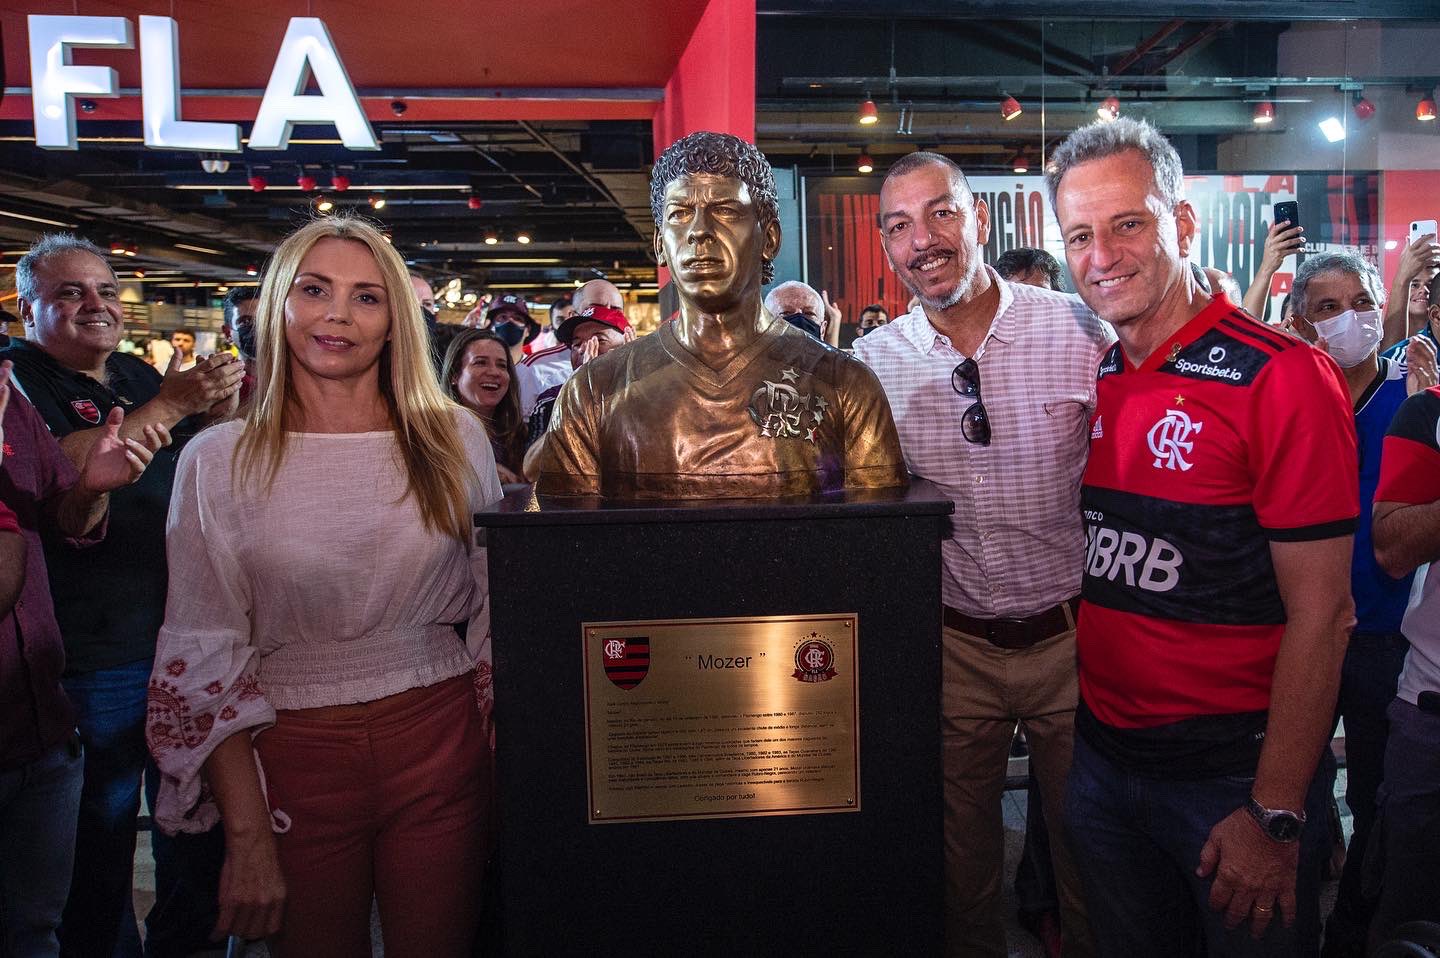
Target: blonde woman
[(310, 675)]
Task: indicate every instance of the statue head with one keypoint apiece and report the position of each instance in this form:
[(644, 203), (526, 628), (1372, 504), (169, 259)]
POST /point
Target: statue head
[(716, 218)]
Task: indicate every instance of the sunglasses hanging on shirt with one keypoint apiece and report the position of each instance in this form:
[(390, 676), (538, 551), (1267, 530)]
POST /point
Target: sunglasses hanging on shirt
[(975, 423)]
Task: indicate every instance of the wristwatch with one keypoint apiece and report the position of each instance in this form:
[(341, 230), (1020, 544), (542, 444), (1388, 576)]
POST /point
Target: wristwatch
[(1281, 825)]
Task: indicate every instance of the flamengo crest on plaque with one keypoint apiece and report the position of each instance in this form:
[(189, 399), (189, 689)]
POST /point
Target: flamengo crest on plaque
[(627, 659)]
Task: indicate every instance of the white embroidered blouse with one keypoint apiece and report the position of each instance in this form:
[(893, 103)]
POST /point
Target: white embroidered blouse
[(327, 591)]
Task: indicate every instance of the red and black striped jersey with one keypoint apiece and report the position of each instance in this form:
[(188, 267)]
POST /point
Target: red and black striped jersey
[(1410, 475), (1410, 462), (1231, 435)]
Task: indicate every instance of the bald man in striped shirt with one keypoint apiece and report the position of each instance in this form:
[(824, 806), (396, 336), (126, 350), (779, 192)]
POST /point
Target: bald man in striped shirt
[(991, 385)]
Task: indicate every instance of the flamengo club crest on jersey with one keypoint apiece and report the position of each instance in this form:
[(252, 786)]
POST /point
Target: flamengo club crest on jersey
[(87, 410), (627, 660), (1170, 440)]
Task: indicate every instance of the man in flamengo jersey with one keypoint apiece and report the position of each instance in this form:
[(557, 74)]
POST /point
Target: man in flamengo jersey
[(1407, 536), (1220, 500)]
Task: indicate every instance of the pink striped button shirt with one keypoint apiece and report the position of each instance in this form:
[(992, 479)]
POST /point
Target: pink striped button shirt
[(1017, 544)]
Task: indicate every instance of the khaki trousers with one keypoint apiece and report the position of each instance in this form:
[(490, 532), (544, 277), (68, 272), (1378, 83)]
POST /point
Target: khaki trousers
[(986, 691)]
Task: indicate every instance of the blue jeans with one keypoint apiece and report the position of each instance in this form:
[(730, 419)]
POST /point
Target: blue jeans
[(1367, 687), (1137, 843), (38, 805), (109, 704)]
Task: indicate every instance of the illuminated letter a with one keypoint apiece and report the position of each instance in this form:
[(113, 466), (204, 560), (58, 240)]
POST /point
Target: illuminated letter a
[(307, 44)]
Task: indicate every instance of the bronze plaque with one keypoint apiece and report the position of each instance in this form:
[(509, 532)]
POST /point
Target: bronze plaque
[(722, 718)]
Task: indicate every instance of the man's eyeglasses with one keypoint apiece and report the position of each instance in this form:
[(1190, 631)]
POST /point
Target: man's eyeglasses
[(975, 424)]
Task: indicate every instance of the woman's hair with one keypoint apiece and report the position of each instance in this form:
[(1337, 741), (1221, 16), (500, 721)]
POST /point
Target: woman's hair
[(438, 471), (507, 423)]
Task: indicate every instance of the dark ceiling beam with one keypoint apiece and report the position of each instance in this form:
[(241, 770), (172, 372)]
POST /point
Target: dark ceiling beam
[(1104, 9), (831, 84), (575, 167), (1199, 39), (1145, 46), (1054, 51), (1007, 38), (503, 169)]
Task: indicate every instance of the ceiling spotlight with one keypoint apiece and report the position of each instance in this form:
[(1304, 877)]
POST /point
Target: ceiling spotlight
[(377, 202), (523, 238), (258, 184), (1109, 109), (1425, 109), (491, 239), (306, 182), (340, 182), (869, 113), (1010, 108), (117, 249), (132, 250), (222, 288), (1264, 113), (474, 202), (398, 107), (252, 270), (1333, 129), (139, 274), (865, 164), (1364, 109), (1020, 164), (325, 204)]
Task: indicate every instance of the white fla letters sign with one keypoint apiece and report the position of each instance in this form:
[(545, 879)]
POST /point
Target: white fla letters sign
[(307, 50)]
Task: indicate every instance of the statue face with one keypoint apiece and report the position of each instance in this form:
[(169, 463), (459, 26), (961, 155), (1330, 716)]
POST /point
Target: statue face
[(712, 240)]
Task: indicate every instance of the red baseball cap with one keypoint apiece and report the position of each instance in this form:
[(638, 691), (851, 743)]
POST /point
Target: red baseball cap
[(608, 315), (509, 303)]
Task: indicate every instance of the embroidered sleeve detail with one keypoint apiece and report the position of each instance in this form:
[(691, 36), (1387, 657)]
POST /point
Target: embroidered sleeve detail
[(169, 722)]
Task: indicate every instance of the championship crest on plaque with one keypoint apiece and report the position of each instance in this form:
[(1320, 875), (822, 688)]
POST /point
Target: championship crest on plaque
[(627, 660), (814, 660)]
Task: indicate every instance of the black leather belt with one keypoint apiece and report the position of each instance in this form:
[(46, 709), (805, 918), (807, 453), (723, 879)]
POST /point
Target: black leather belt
[(1015, 633)]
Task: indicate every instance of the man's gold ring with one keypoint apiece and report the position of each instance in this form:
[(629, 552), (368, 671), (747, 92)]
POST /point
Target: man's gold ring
[(1264, 909)]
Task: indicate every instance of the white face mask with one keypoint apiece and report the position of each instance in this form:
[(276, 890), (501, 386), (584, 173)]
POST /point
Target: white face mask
[(1351, 337)]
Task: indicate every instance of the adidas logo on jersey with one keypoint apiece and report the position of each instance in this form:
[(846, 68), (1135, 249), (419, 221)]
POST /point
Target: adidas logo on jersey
[(1097, 431)]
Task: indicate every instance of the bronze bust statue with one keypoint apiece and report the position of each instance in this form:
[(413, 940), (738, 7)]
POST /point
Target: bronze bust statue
[(727, 401)]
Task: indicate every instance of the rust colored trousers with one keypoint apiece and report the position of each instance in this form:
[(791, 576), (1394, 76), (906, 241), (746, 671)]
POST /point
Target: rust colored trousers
[(389, 800)]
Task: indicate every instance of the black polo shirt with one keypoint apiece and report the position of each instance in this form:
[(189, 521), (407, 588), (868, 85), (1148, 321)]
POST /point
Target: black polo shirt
[(110, 598)]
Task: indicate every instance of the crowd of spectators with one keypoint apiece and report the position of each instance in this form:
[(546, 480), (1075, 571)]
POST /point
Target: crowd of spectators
[(1186, 548)]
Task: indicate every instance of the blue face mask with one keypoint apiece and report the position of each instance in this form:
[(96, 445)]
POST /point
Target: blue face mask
[(803, 323), (510, 333)]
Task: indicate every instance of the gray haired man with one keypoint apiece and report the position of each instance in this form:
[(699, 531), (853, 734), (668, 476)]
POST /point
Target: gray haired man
[(1219, 501)]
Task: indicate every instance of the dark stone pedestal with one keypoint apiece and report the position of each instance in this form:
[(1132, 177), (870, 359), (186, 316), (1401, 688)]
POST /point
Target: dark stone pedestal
[(858, 883)]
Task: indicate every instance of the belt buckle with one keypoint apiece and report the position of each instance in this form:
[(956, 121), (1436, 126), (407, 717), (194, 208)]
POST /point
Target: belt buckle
[(998, 630)]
